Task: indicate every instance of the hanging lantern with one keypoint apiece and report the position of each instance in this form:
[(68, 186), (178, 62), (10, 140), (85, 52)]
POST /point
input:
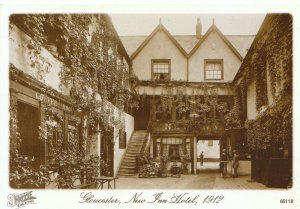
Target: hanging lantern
[(194, 115)]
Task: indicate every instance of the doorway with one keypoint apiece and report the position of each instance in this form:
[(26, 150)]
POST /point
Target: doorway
[(107, 152), (28, 123), (141, 116)]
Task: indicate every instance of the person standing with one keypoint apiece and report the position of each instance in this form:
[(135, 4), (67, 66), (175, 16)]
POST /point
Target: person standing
[(235, 163), (201, 158)]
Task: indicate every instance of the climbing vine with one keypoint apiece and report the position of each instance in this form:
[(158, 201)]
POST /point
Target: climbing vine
[(212, 112), (271, 69), (14, 134), (95, 66), (274, 126), (51, 132)]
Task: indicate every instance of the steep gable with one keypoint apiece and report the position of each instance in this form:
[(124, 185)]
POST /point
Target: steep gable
[(159, 28), (212, 29)]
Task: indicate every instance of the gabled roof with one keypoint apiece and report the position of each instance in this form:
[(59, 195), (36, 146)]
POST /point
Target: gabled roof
[(241, 43), (212, 28), (160, 27), (187, 42)]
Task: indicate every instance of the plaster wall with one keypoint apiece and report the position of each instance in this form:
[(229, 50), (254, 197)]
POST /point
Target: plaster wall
[(213, 47), (160, 47)]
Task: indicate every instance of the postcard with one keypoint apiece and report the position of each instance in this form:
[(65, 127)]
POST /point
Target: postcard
[(122, 107)]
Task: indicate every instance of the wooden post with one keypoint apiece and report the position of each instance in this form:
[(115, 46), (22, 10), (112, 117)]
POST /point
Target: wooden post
[(195, 155), (98, 140)]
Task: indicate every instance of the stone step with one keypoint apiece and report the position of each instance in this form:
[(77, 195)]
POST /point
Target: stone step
[(128, 160), (134, 146), (137, 151), (128, 166), (130, 169), (131, 153), (127, 169), (139, 141), (127, 174)]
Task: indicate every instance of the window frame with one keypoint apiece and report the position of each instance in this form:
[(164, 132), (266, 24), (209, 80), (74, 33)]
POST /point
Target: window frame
[(153, 61), (221, 61)]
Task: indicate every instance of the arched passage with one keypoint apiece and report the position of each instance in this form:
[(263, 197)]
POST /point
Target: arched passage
[(208, 154)]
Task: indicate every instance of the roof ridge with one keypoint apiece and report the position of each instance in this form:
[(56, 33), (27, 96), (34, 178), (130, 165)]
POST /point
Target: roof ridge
[(159, 27)]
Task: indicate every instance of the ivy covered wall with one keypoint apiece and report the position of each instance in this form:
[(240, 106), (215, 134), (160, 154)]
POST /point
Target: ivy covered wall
[(269, 64), (79, 58)]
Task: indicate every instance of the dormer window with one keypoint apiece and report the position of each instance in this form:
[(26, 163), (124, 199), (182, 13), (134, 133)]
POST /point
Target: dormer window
[(213, 70), (161, 70)]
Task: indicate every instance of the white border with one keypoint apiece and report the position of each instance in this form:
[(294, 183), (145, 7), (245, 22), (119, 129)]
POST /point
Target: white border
[(69, 199)]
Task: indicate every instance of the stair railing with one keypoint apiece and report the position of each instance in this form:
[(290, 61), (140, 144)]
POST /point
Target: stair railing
[(147, 139)]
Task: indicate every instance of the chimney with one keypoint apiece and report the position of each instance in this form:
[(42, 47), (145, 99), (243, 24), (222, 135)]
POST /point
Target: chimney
[(198, 29)]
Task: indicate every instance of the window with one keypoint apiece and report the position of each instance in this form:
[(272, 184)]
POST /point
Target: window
[(55, 143), (72, 142), (174, 152), (161, 70), (213, 69), (28, 124)]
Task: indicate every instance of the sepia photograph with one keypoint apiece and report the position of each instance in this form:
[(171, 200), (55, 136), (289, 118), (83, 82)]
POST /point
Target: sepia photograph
[(150, 101)]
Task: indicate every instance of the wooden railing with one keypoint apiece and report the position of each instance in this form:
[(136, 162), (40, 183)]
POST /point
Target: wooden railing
[(210, 128), (146, 142)]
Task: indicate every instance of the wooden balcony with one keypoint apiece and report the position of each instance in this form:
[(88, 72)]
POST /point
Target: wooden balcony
[(189, 127)]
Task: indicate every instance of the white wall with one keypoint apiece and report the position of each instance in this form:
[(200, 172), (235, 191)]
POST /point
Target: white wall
[(251, 101), (160, 47), (213, 47), (269, 90), (208, 151), (19, 56), (118, 153)]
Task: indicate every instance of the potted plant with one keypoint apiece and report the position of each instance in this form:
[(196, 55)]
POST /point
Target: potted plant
[(184, 163)]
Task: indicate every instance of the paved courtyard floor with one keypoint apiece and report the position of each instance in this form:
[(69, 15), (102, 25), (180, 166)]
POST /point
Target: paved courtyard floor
[(207, 177)]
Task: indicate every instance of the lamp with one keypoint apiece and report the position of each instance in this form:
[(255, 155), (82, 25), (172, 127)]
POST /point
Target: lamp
[(194, 115)]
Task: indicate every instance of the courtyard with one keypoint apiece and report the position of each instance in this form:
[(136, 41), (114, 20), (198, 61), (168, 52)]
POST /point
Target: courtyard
[(208, 177), (94, 108)]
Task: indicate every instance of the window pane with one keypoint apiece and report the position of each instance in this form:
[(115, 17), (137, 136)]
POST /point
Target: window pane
[(213, 70), (161, 70)]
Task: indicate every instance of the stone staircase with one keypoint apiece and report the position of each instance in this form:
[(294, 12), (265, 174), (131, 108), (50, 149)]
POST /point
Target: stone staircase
[(134, 147)]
